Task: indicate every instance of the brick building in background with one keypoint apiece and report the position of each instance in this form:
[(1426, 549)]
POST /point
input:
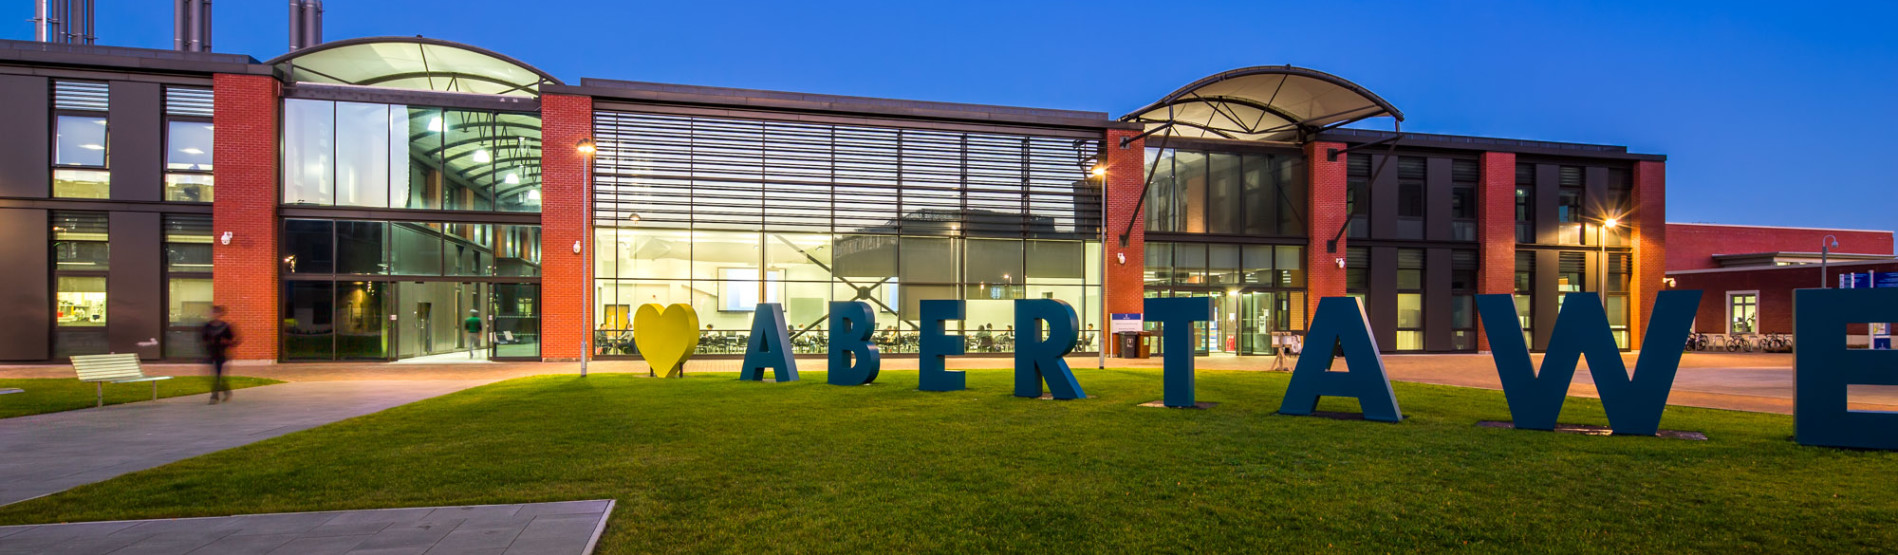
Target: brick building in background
[(1748, 273), (361, 199)]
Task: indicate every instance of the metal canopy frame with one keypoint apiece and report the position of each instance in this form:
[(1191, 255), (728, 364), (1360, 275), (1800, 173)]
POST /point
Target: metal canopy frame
[(1273, 123), (295, 66)]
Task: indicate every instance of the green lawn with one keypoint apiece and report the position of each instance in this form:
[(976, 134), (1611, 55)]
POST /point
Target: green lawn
[(45, 395), (712, 464)]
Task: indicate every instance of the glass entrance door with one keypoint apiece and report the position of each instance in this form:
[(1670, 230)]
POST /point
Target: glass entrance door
[(516, 320), (1255, 310)]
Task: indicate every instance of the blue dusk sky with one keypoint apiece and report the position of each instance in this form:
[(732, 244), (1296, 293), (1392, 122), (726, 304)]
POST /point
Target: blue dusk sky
[(1770, 114)]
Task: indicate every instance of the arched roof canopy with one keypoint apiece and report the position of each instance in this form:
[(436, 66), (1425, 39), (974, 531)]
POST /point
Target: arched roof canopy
[(1266, 103), (414, 63)]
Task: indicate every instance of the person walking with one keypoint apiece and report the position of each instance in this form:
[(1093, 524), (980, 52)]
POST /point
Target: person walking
[(218, 337), (472, 326)]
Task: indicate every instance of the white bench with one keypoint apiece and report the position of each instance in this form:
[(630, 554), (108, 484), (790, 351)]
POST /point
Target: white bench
[(115, 368)]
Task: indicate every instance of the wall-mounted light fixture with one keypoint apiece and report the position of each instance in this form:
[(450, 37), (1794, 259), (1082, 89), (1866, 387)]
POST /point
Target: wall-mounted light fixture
[(1340, 261), (1121, 257), (224, 239), (576, 247)]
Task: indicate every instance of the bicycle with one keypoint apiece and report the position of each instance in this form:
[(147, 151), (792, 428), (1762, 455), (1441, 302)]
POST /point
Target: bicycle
[(1738, 342)]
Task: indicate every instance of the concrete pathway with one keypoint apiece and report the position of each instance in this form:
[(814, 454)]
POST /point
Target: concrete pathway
[(571, 527), (49, 453)]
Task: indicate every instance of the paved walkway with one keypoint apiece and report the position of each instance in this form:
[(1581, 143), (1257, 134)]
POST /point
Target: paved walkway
[(534, 529), (49, 453)]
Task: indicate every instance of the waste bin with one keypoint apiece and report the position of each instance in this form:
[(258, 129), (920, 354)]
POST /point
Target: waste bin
[(1131, 344)]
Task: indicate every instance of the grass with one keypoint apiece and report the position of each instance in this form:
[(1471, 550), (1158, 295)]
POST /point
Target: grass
[(712, 464), (44, 395)]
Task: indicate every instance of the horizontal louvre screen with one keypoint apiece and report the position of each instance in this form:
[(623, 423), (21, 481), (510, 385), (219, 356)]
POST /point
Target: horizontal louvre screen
[(188, 101), (1525, 174), (1574, 262), (1357, 165), (1525, 261), (1410, 259), (1462, 260), (713, 173), (1410, 167), (1571, 176), (68, 224), (1463, 171), (81, 95)]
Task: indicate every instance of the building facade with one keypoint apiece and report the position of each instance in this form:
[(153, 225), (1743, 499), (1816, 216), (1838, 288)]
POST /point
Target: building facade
[(1748, 273), (364, 199)]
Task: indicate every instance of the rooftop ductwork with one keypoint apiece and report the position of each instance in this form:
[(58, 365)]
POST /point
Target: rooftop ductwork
[(306, 24), (63, 21), (190, 25)]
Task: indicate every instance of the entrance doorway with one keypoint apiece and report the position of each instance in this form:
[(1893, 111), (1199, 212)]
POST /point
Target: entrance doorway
[(384, 320)]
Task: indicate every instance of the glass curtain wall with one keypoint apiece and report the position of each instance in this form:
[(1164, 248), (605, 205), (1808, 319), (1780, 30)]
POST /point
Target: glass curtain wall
[(410, 157), (420, 280), (724, 214), (1223, 193), (1257, 290)]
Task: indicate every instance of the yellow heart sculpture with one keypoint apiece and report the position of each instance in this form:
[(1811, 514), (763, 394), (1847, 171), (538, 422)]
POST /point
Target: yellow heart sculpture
[(666, 336)]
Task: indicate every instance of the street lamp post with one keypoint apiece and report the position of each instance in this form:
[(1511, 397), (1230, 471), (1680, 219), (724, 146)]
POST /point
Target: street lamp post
[(1099, 171), (1601, 238), (586, 149), (1825, 251)]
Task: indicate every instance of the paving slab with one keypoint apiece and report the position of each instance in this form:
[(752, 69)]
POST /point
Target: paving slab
[(536, 528), (50, 453)]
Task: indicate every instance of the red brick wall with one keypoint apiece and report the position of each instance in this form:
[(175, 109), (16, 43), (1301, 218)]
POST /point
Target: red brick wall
[(1496, 221), (1650, 243), (565, 277), (244, 273), (1323, 277), (1126, 179), (1775, 284), (1695, 244)]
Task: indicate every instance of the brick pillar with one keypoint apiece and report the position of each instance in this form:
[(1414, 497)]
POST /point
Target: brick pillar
[(565, 276), (1323, 277), (1496, 221), (1650, 245), (244, 272), (1126, 180)]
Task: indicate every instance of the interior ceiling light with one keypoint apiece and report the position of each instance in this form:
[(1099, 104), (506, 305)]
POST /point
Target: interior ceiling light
[(92, 147), (512, 179), (435, 124), (191, 150), (482, 157)]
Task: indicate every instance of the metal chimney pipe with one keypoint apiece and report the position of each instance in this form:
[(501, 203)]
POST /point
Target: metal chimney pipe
[(296, 25), (91, 28), (194, 26), (42, 20), (205, 20), (179, 15)]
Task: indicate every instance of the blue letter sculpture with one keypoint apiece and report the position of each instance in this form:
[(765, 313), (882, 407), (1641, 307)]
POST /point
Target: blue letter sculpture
[(851, 323), (937, 346), (1037, 360), (1176, 316), (1340, 321), (1823, 368), (1633, 403), (770, 346)]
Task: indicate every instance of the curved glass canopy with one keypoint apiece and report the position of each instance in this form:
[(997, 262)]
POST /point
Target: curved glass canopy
[(412, 63), (1264, 103)]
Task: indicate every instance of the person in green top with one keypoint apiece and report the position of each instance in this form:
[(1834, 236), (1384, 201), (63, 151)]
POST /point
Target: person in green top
[(473, 326)]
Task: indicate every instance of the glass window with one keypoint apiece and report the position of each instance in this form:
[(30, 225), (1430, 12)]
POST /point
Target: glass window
[(1055, 262), (1290, 265), (517, 250), (189, 300), (79, 140), (1162, 201), (1257, 260), (993, 261), (1189, 263), (308, 151), (803, 257), (515, 175), (1224, 205), (1159, 263), (74, 183), (1357, 268), (1410, 264), (187, 243), (1222, 264), (415, 249), (516, 320), (470, 249), (188, 145), (1742, 312), (415, 142), (80, 241), (308, 315), (715, 251), (362, 160), (929, 260), (361, 332), (360, 248), (308, 246), (1189, 169), (188, 187), (81, 301)]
